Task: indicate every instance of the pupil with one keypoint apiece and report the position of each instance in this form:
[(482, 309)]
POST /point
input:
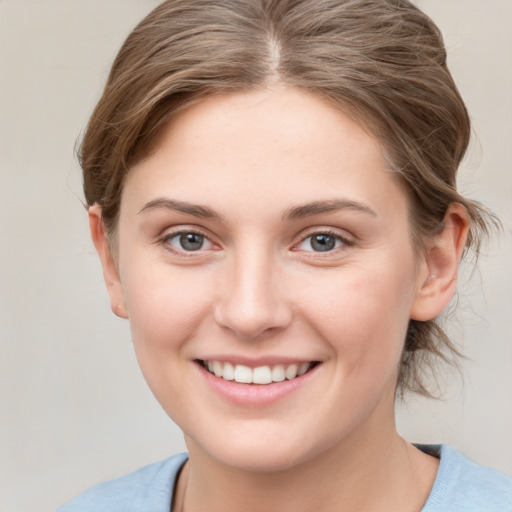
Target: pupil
[(191, 241), (323, 243)]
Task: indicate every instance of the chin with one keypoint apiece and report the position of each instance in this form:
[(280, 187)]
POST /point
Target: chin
[(264, 450), (259, 460)]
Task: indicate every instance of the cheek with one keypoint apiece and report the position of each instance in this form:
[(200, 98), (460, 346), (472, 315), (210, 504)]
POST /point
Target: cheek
[(166, 312), (165, 305), (363, 312)]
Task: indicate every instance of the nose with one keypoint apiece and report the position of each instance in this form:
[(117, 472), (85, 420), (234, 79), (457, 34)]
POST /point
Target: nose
[(253, 301)]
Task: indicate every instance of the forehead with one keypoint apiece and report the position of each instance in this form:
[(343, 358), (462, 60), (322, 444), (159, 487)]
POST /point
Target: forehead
[(263, 143)]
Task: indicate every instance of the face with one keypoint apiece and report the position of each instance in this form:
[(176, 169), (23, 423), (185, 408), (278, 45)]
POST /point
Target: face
[(266, 266)]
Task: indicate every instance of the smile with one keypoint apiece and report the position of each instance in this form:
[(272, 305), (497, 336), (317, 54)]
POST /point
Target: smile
[(258, 375)]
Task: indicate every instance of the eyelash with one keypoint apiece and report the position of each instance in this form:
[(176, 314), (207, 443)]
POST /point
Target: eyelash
[(168, 237), (344, 241)]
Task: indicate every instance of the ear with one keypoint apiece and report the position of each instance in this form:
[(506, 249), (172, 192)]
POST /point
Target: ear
[(438, 276), (110, 273)]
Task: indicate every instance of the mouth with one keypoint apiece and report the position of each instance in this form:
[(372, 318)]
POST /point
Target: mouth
[(261, 375)]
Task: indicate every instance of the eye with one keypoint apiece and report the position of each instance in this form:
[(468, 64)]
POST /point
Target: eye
[(321, 242), (188, 241)]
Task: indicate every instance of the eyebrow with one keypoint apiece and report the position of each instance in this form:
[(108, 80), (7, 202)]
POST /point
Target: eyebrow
[(293, 213), (332, 205), (195, 210)]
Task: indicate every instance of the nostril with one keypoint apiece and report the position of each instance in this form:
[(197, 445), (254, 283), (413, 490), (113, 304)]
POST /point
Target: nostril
[(254, 321), (252, 302)]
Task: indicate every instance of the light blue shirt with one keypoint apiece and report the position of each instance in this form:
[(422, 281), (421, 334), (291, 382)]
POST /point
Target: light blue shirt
[(463, 486), (460, 486)]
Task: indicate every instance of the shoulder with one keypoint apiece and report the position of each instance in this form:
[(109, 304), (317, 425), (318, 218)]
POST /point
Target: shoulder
[(149, 488), (462, 485)]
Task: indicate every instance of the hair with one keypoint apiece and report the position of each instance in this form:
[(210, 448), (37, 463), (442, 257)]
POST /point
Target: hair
[(381, 61)]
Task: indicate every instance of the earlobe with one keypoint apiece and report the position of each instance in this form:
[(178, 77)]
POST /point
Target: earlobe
[(110, 272), (438, 280)]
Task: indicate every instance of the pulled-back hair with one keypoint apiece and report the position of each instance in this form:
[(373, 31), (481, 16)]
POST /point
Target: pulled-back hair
[(381, 61)]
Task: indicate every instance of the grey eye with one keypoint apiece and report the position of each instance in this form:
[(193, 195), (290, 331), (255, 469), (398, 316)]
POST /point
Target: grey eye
[(323, 242), (190, 241), (182, 242)]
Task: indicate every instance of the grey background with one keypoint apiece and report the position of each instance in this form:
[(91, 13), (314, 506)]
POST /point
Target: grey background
[(74, 409)]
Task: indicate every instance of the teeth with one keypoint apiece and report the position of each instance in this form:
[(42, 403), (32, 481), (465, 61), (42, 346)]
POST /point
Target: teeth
[(291, 372), (303, 368), (278, 373), (218, 368), (243, 374), (259, 375), (229, 372), (262, 375)]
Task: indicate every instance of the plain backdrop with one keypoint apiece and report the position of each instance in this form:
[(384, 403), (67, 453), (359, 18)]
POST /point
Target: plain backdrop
[(74, 409)]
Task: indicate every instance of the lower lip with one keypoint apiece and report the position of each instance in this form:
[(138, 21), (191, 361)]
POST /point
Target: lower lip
[(254, 395)]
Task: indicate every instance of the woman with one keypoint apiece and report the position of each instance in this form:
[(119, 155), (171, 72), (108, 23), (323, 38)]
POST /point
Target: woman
[(271, 192)]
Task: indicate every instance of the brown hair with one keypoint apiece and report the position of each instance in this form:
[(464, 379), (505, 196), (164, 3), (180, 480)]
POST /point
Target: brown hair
[(382, 61)]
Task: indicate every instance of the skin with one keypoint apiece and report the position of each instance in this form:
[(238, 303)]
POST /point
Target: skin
[(258, 288)]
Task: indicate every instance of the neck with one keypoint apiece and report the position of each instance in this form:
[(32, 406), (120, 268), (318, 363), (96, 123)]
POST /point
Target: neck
[(382, 473)]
